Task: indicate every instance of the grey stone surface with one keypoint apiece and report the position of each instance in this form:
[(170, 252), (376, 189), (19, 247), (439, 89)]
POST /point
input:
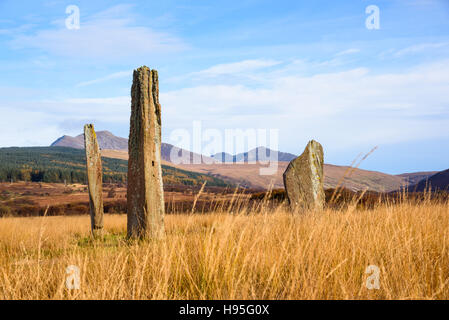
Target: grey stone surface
[(95, 179), (303, 179), (145, 188)]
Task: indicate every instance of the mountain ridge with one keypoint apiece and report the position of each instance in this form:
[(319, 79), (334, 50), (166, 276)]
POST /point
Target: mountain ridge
[(245, 170), (436, 182), (109, 141), (254, 155), (106, 140), (413, 178)]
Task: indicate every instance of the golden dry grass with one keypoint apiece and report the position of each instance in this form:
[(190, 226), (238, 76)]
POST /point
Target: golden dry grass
[(271, 254)]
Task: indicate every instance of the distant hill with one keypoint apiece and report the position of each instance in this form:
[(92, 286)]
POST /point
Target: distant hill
[(171, 153), (415, 177), (438, 181), (69, 142), (108, 141), (256, 154), (359, 179), (247, 175), (59, 164)]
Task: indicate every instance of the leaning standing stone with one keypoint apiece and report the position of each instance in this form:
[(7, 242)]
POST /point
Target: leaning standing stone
[(95, 179), (145, 189), (303, 179)]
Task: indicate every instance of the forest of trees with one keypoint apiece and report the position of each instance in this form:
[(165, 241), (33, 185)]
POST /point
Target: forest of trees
[(54, 164), (61, 164)]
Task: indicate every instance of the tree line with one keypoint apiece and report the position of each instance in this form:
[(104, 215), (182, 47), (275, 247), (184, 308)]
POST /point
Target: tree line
[(61, 164), (53, 164)]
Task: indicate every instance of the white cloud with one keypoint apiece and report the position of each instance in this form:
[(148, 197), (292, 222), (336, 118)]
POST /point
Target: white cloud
[(350, 108), (116, 75), (29, 128), (353, 108), (420, 48), (15, 30), (113, 110), (349, 51), (40, 122), (108, 35), (237, 67), (230, 72)]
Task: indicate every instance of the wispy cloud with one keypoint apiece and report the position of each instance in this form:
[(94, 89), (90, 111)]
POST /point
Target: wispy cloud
[(418, 48), (349, 51), (36, 127), (349, 108), (115, 75), (423, 2), (108, 35), (16, 30), (228, 72), (237, 67)]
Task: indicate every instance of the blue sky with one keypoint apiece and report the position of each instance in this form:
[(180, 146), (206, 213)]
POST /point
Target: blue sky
[(310, 69)]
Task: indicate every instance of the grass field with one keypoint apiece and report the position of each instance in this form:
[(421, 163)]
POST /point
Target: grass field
[(267, 253)]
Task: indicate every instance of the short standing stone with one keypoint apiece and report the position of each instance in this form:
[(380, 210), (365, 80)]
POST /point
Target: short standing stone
[(303, 179), (145, 189), (94, 178)]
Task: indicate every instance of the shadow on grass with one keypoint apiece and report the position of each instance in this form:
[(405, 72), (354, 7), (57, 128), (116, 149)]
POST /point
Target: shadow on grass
[(111, 240), (107, 240)]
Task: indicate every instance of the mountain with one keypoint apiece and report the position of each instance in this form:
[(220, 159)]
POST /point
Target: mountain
[(171, 153), (415, 177), (177, 155), (439, 181), (70, 142), (248, 174), (256, 154), (359, 180), (108, 141), (223, 157)]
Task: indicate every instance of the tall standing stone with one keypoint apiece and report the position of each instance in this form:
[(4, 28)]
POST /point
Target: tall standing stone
[(303, 179), (94, 178), (145, 189)]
